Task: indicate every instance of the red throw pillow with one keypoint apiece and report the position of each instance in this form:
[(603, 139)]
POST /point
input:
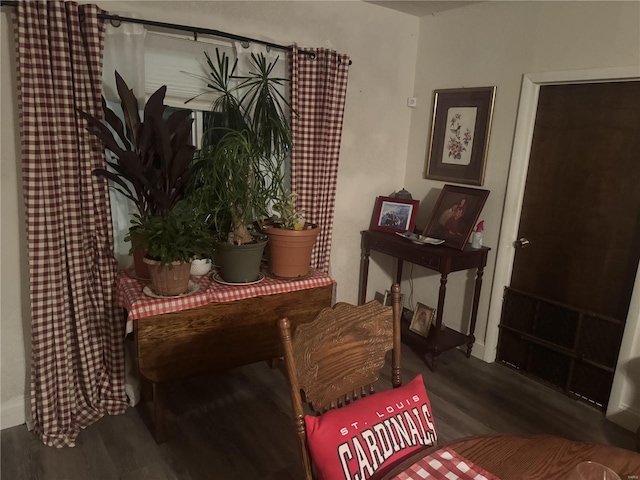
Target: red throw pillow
[(353, 442)]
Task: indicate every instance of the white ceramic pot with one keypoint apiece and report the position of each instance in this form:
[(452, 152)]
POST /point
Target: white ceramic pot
[(200, 266), (476, 240)]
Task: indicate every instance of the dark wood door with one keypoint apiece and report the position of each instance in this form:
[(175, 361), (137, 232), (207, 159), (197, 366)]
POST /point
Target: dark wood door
[(564, 312)]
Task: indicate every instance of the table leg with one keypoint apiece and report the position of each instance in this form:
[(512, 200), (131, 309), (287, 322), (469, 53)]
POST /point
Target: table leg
[(438, 327), (160, 409), (146, 390), (474, 310), (364, 274), (399, 272)]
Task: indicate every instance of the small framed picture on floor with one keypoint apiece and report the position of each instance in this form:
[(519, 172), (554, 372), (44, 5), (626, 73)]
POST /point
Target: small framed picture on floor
[(422, 319)]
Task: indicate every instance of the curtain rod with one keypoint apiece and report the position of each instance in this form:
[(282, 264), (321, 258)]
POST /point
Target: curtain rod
[(115, 19), (184, 28)]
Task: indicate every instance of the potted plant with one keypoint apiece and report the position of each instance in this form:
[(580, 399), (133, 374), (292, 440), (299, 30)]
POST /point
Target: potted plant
[(291, 239), (241, 162), (171, 240), (153, 159)]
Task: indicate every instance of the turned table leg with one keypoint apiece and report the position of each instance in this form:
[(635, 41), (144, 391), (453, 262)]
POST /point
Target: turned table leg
[(437, 331), (474, 310), (160, 409), (364, 274)]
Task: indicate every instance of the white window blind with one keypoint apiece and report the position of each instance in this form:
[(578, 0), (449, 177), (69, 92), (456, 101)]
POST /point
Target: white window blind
[(176, 61)]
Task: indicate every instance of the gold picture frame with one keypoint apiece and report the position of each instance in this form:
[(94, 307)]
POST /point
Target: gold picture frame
[(459, 137), (422, 319)]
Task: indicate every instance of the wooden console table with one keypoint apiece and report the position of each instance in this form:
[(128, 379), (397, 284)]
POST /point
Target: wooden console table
[(441, 259), (218, 328)]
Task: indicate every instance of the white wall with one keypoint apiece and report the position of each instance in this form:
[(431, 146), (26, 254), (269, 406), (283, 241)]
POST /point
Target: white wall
[(382, 44), (496, 44)]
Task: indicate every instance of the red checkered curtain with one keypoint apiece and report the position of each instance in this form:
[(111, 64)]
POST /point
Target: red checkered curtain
[(318, 92), (77, 362)]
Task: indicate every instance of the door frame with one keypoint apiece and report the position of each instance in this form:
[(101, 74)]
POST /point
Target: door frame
[(514, 196)]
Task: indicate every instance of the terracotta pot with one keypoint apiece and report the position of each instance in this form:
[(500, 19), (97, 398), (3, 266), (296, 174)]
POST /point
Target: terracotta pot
[(141, 268), (290, 251), (167, 281)]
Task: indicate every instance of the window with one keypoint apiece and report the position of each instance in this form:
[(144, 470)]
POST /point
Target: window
[(177, 61)]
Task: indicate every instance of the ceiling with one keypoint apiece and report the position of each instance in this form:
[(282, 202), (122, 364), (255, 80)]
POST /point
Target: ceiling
[(420, 8)]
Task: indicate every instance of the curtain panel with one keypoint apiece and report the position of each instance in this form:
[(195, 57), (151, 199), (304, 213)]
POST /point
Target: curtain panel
[(77, 364), (318, 93)]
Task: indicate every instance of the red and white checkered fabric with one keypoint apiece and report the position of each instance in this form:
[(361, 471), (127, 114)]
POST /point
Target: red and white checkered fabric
[(77, 365), (318, 93), (139, 305), (445, 464)]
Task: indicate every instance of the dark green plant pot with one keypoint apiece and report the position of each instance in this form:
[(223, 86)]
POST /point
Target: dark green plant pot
[(240, 263)]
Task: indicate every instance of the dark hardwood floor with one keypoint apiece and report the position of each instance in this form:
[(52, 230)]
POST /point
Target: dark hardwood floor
[(237, 425)]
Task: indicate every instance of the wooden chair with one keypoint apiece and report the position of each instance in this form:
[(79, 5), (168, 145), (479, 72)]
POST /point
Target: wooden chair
[(335, 359)]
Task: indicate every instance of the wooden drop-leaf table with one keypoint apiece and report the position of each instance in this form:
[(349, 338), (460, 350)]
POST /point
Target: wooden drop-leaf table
[(217, 328)]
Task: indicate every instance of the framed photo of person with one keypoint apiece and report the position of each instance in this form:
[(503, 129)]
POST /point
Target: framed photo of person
[(455, 215), (391, 214), (422, 319), (459, 137)]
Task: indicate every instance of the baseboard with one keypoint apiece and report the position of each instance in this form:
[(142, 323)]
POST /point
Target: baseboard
[(627, 417), (12, 412), (478, 351)]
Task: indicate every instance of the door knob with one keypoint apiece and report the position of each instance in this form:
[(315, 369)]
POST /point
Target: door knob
[(521, 243)]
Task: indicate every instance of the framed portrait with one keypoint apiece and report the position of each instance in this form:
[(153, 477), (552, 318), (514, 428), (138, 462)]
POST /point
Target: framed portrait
[(459, 138), (455, 214), (422, 319), (392, 214)]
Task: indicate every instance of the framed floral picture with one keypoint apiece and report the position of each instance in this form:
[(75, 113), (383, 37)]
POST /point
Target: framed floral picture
[(392, 214), (455, 214), (459, 139)]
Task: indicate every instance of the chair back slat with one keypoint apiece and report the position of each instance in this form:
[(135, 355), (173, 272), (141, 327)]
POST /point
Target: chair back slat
[(330, 363)]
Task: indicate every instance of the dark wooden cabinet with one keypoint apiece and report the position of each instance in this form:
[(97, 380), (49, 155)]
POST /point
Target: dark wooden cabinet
[(440, 258), (570, 349)]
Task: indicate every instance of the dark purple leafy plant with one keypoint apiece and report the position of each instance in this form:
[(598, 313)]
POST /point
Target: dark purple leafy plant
[(155, 160)]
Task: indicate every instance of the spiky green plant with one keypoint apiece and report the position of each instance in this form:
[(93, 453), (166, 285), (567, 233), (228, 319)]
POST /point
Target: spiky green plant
[(243, 154)]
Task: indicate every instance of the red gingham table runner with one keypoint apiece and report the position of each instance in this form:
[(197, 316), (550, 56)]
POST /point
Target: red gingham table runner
[(139, 305), (445, 463)]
